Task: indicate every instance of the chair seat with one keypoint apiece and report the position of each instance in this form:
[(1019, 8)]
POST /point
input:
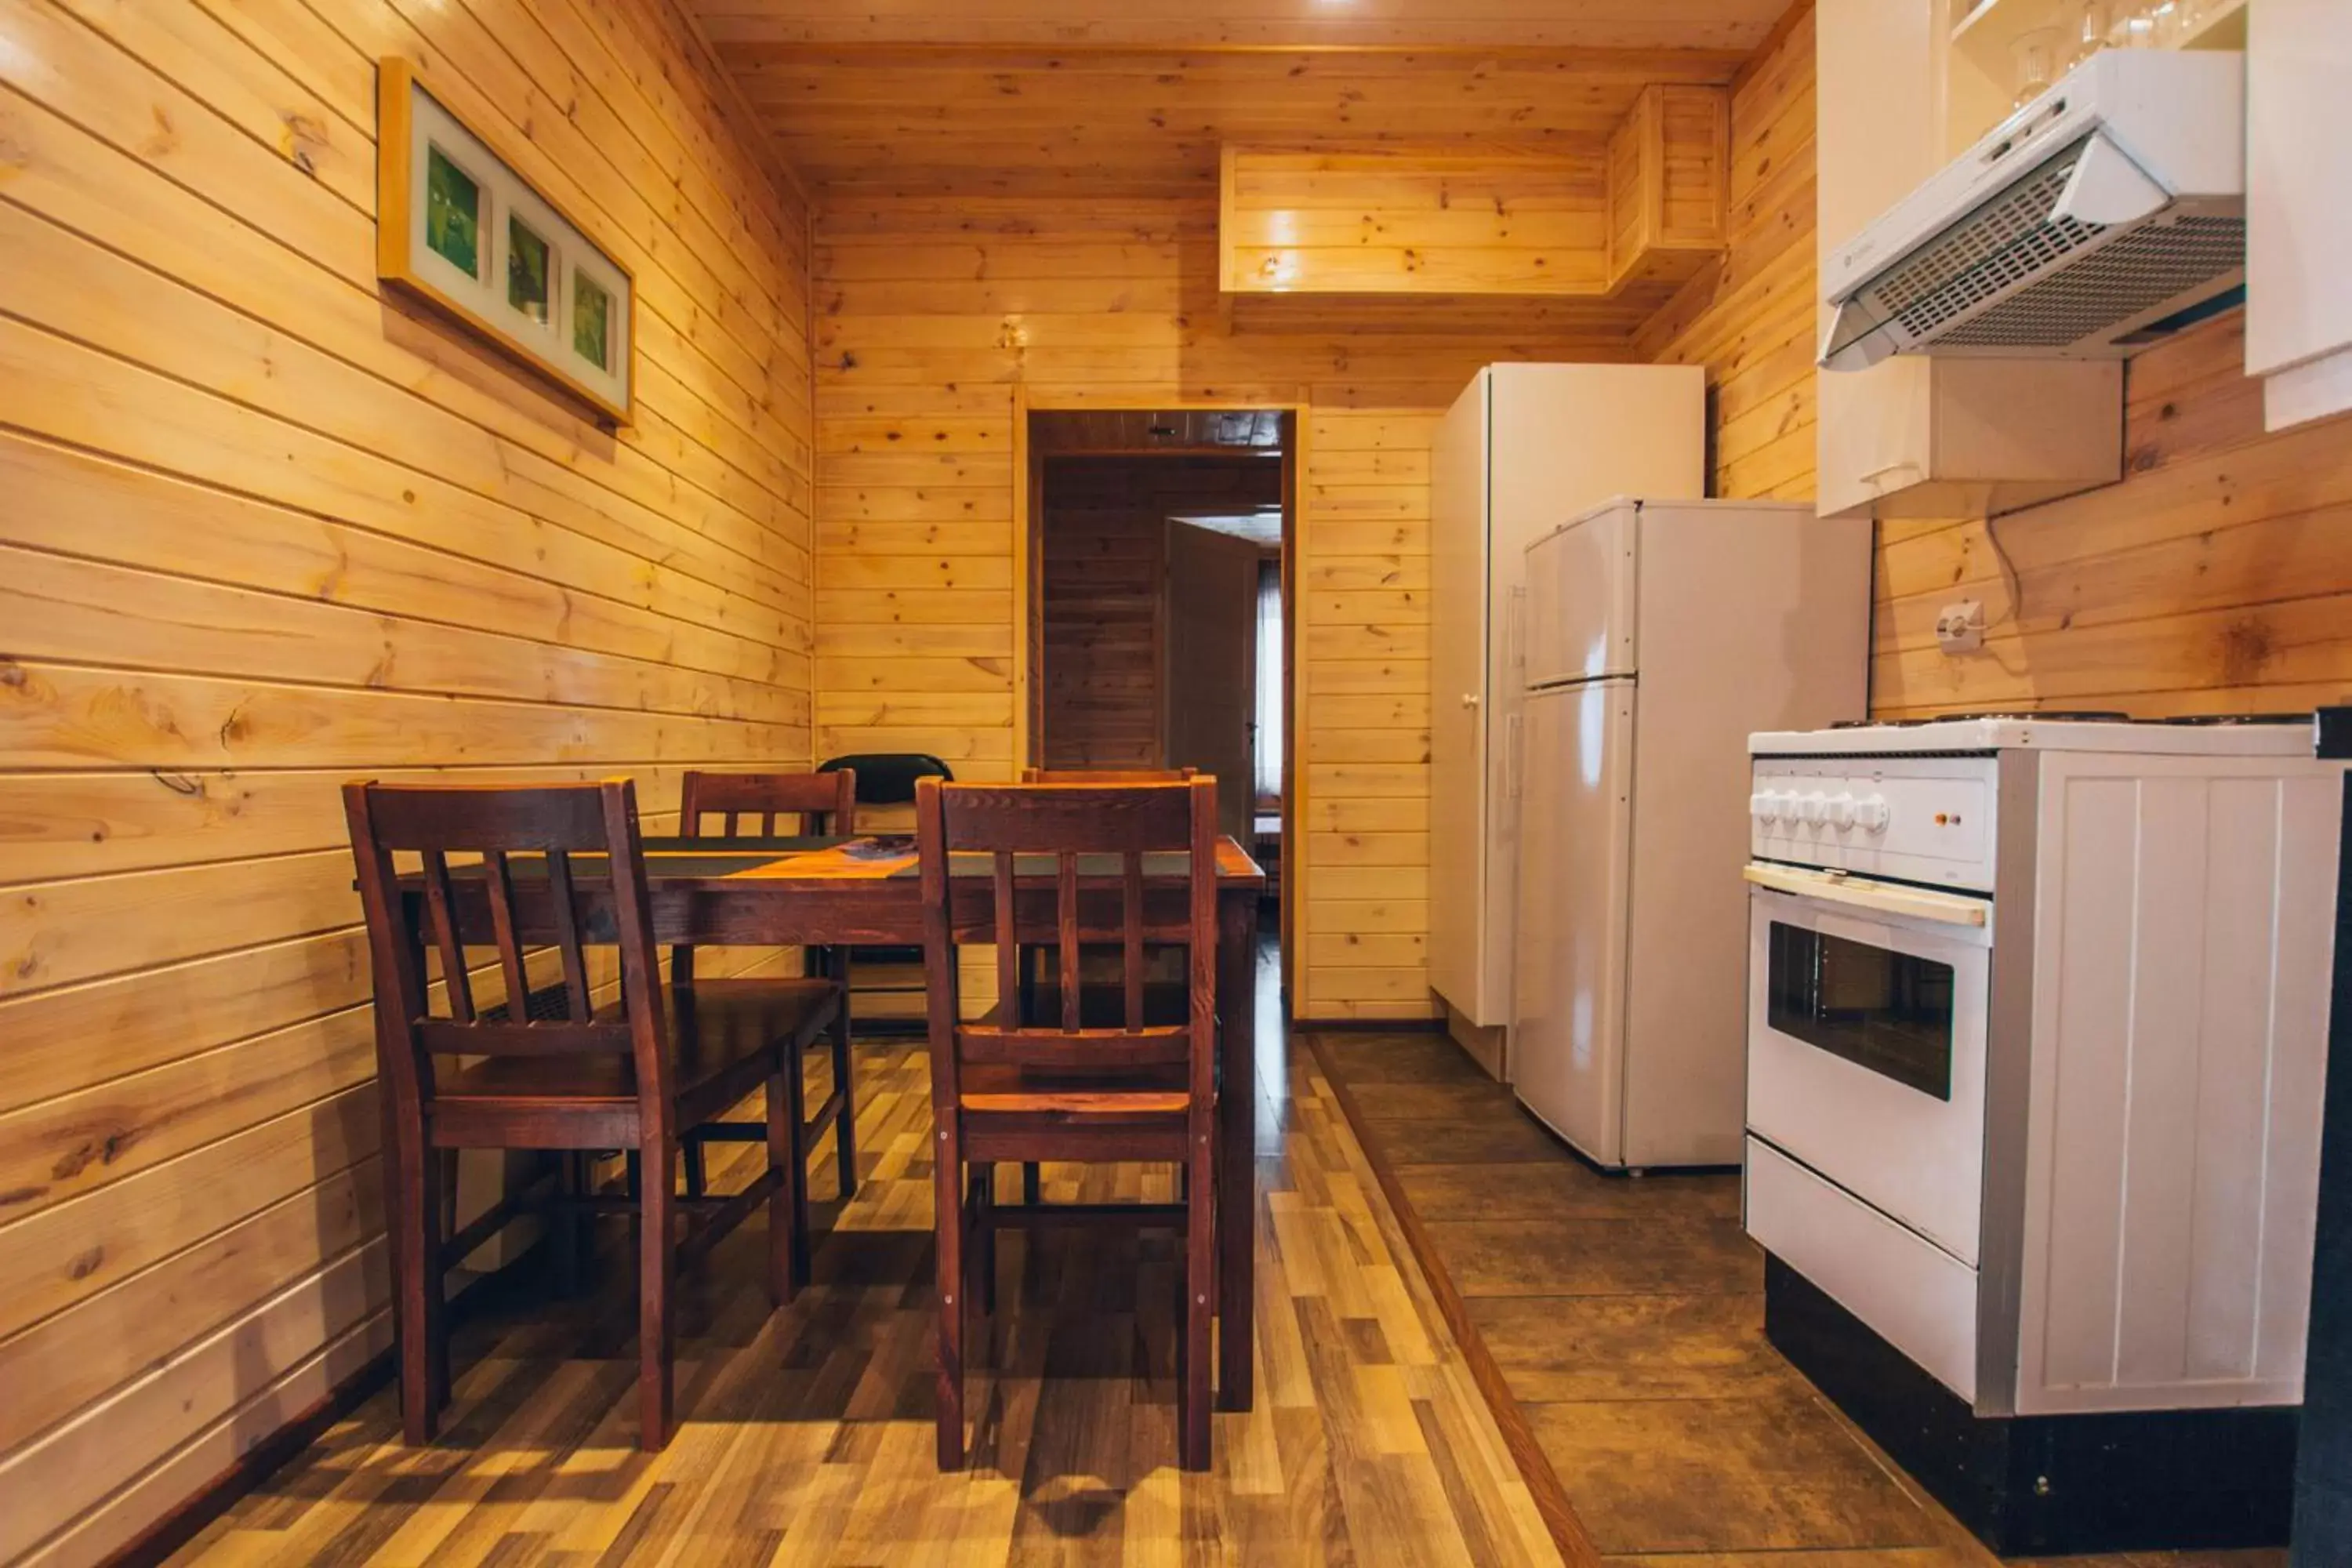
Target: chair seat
[(1114, 1093), (722, 1034)]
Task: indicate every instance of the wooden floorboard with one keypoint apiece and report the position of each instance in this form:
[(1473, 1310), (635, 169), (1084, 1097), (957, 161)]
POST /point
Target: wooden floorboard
[(805, 1435), (1625, 1318)]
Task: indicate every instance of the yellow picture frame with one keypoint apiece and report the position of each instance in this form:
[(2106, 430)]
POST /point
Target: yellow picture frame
[(460, 229)]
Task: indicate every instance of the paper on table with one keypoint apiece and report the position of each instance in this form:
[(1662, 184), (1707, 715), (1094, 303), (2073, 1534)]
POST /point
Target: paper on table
[(843, 862)]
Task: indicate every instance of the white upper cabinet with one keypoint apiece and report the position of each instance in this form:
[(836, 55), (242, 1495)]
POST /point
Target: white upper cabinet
[(2299, 206), (1922, 437)]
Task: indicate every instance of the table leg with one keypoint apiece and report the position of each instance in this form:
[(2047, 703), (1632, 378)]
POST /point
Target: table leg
[(1236, 1196)]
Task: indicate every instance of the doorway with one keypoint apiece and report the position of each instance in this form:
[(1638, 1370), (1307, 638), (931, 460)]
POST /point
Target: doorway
[(1159, 625)]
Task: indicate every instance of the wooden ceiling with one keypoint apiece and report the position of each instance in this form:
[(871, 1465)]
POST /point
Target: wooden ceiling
[(1102, 99), (1738, 26)]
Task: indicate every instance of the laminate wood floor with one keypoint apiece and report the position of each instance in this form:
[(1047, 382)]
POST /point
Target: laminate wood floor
[(805, 1435), (1627, 1318)]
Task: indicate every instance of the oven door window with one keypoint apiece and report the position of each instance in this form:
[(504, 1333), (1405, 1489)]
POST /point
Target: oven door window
[(1887, 1011)]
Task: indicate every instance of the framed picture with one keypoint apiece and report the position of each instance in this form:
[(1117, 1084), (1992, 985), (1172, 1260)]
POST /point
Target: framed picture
[(457, 227)]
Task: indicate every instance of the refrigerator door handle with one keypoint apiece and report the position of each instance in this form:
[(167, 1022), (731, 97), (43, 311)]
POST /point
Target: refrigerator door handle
[(1514, 621), (1511, 755)]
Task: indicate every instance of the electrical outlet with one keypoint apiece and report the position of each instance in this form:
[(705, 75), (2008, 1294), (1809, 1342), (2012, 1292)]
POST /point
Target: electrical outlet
[(1961, 627)]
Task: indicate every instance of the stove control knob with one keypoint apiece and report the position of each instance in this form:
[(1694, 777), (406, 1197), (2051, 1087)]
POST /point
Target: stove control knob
[(1841, 810), (1764, 805), (1813, 808), (1871, 812)]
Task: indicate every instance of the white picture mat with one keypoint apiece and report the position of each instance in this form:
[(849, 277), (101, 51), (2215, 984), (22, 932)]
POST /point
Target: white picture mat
[(504, 193)]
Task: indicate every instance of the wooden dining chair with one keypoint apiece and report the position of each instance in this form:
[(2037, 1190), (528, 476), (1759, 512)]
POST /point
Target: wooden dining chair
[(638, 1072), (1031, 1188), (1008, 1090), (889, 989), (765, 806)]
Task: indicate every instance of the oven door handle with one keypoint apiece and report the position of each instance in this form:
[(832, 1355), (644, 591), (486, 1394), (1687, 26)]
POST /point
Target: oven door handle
[(1912, 903)]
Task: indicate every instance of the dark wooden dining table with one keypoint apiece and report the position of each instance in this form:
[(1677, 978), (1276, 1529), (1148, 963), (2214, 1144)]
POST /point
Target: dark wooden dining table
[(827, 892)]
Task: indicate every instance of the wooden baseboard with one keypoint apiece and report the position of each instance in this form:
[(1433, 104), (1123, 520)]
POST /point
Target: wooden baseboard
[(159, 1540), (1370, 1026), (1577, 1547)]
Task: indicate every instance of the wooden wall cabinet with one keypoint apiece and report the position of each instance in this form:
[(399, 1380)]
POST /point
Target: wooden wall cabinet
[(1640, 209), (1926, 436), (2298, 224), (1669, 179)]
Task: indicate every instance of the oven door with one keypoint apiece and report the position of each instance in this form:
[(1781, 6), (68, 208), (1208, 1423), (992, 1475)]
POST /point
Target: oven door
[(1866, 1041)]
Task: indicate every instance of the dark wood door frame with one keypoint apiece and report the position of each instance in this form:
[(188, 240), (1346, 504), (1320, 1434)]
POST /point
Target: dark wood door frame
[(1028, 683)]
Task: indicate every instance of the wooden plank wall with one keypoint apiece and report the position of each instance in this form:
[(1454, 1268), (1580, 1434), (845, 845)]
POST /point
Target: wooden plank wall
[(931, 314), (1105, 525), (1749, 318), (2216, 577), (266, 529)]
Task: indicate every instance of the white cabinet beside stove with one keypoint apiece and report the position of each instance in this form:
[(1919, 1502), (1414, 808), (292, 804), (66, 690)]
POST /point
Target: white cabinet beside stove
[(2183, 918)]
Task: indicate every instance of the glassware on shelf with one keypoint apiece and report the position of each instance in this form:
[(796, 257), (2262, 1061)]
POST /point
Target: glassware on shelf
[(2089, 34), (2035, 53), (2132, 26)]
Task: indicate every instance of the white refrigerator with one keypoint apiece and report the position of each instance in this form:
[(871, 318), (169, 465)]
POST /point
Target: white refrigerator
[(1524, 449), (1658, 633)]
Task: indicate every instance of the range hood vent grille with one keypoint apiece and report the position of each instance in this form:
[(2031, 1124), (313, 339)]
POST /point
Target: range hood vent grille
[(1999, 248), (2139, 270)]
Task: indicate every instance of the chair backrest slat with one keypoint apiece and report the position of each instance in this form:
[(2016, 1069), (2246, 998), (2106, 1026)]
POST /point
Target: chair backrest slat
[(1130, 953), (1121, 823), (1065, 928), (438, 902), (577, 1005), (1008, 949), (502, 927)]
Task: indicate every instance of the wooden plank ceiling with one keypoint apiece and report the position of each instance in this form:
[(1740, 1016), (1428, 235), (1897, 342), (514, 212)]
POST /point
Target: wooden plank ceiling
[(1738, 25), (1103, 100)]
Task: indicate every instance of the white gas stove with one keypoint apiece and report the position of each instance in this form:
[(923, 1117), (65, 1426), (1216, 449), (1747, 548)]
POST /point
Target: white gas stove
[(2036, 1036), (1916, 800)]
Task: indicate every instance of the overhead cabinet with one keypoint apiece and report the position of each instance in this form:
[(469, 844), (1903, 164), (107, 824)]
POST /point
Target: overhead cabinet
[(1620, 217), (2298, 223)]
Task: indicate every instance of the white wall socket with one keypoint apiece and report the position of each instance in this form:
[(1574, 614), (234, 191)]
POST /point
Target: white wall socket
[(1961, 627)]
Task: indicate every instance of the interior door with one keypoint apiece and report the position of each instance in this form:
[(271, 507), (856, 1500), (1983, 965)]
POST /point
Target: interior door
[(1210, 677)]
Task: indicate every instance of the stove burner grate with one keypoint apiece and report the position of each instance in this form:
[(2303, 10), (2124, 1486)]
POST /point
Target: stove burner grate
[(2052, 716)]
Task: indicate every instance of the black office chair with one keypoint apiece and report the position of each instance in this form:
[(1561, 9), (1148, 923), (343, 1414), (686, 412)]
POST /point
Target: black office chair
[(887, 989), (888, 778)]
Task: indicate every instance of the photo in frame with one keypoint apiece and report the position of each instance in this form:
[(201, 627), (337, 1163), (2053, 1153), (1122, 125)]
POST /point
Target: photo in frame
[(457, 227)]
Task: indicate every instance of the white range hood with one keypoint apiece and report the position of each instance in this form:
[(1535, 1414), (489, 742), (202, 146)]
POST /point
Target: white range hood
[(2101, 216)]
